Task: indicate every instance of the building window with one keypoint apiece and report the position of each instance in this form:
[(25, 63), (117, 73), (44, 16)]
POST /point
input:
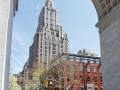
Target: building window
[(51, 17), (51, 25), (100, 69), (54, 48), (51, 28), (45, 33), (95, 78), (74, 77), (81, 78), (81, 67), (54, 52), (68, 78), (95, 69), (74, 58), (77, 58), (100, 78), (54, 45), (94, 61), (75, 87), (52, 33), (41, 54), (68, 67), (51, 14), (88, 60), (96, 88), (45, 51), (40, 50), (57, 34), (47, 25), (45, 43), (52, 10), (58, 45), (41, 58), (51, 20), (88, 68), (82, 88), (74, 67), (45, 47), (80, 59), (88, 78), (67, 58)]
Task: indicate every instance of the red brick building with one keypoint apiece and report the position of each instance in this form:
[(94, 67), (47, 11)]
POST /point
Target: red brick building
[(75, 72)]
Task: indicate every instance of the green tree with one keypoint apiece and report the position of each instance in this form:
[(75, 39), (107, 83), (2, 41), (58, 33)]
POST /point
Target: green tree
[(37, 83), (13, 83)]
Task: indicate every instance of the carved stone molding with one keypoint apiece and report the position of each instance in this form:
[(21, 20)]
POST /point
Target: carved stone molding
[(109, 19)]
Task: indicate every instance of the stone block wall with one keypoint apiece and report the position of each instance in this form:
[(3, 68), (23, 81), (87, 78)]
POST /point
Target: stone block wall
[(6, 19), (110, 53)]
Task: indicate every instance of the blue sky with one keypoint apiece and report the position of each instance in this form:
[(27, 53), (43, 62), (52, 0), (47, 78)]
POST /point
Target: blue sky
[(78, 18)]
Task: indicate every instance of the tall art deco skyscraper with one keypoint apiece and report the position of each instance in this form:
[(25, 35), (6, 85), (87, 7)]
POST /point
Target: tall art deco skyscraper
[(49, 39)]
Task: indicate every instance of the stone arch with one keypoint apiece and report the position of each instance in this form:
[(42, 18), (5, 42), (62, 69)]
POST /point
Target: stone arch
[(109, 29), (103, 7)]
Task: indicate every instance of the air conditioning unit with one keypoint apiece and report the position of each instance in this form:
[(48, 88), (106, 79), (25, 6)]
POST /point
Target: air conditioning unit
[(90, 87)]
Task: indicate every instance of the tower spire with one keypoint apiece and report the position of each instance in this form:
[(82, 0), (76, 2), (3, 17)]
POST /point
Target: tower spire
[(49, 3)]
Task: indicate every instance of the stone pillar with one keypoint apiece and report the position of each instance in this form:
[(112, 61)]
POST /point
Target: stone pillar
[(7, 12), (109, 30)]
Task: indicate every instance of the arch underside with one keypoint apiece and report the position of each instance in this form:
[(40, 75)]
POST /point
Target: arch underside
[(103, 7)]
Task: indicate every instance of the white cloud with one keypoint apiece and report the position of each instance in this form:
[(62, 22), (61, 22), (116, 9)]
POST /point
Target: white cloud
[(13, 48), (22, 40), (37, 7), (18, 60), (20, 35), (20, 47)]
